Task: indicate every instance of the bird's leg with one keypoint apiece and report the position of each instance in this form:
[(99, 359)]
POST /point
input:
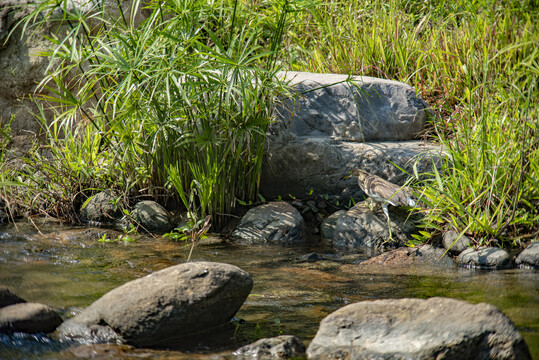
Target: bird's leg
[(386, 211), (371, 204)]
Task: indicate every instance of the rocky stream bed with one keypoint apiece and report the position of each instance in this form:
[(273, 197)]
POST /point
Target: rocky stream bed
[(294, 288)]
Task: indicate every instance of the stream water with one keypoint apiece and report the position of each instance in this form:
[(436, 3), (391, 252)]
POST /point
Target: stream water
[(68, 268)]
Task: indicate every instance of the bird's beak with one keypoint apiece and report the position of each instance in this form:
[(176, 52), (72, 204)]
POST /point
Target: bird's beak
[(346, 176)]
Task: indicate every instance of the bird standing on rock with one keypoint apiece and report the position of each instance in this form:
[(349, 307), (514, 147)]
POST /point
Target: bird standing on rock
[(383, 192)]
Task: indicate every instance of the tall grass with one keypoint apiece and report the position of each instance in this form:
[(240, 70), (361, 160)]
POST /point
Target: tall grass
[(477, 64), (177, 105)]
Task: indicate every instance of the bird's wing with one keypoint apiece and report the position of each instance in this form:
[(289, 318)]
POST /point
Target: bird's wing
[(394, 194)]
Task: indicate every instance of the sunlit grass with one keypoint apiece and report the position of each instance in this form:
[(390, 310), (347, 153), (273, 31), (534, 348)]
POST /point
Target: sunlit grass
[(477, 65), (177, 107)]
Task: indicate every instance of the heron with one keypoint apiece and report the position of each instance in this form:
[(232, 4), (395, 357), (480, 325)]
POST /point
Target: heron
[(382, 192)]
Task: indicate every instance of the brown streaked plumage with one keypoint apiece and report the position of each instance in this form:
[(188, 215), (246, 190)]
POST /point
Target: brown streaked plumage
[(382, 191)]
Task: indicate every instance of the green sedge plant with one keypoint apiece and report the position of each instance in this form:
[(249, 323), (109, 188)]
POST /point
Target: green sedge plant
[(173, 106)]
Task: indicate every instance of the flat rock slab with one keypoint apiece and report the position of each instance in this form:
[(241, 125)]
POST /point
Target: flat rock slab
[(178, 301), (485, 258), (280, 347), (314, 164), (436, 328), (274, 222), (362, 227), (28, 318), (529, 257), (408, 256)]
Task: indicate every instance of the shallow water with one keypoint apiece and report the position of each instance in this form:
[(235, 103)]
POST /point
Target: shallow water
[(68, 268)]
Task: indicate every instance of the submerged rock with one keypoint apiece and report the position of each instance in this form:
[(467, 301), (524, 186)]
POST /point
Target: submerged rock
[(455, 246), (274, 222), (487, 258), (360, 226), (277, 348), (406, 256), (29, 318), (171, 303), (529, 257), (152, 217), (435, 328)]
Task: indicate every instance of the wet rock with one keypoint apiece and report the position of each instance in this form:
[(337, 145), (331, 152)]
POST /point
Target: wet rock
[(407, 256), (487, 257), (275, 222), (327, 228), (104, 351), (86, 236), (435, 328), (280, 347), (529, 257), (101, 208), (169, 304), (152, 217), (29, 318), (360, 226), (8, 298), (430, 254), (458, 246), (312, 257)]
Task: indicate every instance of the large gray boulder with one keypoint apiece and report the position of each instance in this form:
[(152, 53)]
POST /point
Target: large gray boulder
[(362, 227), (334, 125), (436, 328), (274, 223), (356, 108), (171, 303)]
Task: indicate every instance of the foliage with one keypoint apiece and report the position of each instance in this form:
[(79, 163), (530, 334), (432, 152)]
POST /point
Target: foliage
[(177, 103), (477, 64)]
